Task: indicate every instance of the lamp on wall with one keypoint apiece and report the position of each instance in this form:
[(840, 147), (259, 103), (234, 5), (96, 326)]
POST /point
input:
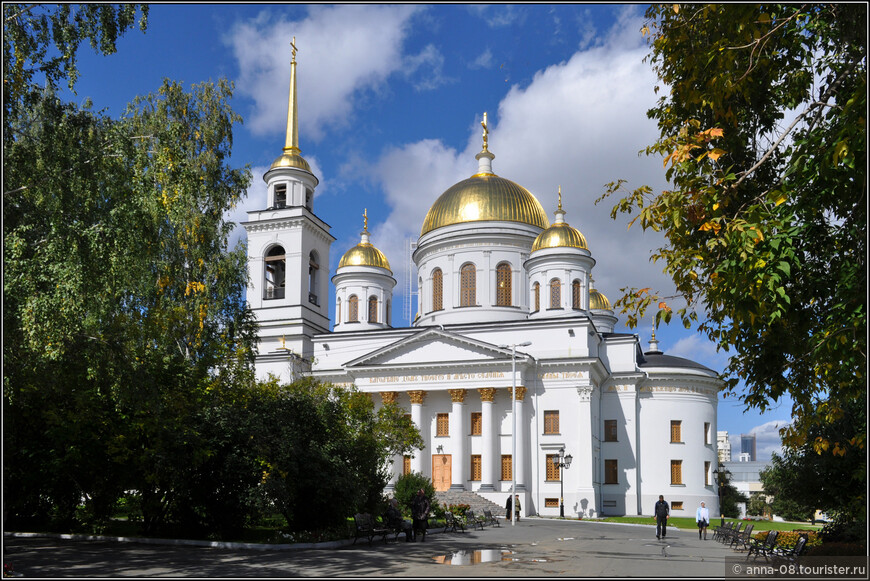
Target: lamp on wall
[(440, 449)]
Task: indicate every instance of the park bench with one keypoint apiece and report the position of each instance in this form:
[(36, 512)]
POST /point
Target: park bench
[(472, 520), (366, 527), (762, 548), (789, 555), (452, 522), (398, 526), (720, 531), (490, 520), (729, 534), (741, 541)]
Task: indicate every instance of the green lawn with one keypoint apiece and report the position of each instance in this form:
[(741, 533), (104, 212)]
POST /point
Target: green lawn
[(681, 522)]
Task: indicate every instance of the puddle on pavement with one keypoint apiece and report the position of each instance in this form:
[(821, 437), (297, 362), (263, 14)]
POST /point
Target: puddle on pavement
[(475, 557)]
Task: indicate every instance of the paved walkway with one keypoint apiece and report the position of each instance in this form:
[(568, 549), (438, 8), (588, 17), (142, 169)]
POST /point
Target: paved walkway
[(532, 548)]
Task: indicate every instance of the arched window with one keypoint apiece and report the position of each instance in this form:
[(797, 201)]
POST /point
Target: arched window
[(437, 290), (536, 296), (503, 293), (352, 309), (373, 309), (280, 195), (313, 268), (467, 286), (275, 272), (555, 294), (575, 294)]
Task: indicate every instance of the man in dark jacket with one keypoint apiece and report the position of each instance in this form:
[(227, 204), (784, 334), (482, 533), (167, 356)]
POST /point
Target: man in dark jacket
[(662, 512), (420, 511), (507, 508)]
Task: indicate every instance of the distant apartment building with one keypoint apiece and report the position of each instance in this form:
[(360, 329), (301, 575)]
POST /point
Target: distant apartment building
[(723, 444)]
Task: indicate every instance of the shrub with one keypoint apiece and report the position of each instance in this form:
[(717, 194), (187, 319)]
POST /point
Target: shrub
[(459, 509), (406, 489), (838, 550)]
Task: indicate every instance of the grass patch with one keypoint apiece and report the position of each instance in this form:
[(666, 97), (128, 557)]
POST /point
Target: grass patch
[(685, 523)]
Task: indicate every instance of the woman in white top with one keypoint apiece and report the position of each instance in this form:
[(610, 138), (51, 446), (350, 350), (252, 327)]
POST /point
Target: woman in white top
[(702, 517)]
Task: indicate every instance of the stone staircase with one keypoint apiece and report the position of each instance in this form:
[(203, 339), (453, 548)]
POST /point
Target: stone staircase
[(472, 499)]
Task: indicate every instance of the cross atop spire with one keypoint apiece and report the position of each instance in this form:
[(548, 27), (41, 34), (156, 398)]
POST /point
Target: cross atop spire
[(485, 132), (366, 219), (293, 49), (291, 145)]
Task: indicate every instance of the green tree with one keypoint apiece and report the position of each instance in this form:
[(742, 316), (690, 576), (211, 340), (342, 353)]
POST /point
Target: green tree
[(324, 451), (803, 480), (406, 489), (123, 306), (729, 496), (763, 135)]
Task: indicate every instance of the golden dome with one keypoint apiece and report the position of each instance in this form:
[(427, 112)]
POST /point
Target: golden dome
[(598, 301), (364, 254), (560, 235), (485, 197), (290, 159)]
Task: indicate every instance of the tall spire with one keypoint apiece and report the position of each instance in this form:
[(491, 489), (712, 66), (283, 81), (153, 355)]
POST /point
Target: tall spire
[(291, 157), (291, 145)]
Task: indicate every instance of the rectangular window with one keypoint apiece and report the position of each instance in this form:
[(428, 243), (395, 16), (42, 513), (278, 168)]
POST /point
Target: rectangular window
[(707, 434), (506, 467), (676, 471), (442, 426), (707, 474), (475, 467), (552, 467), (551, 422), (676, 435), (551, 503), (611, 472), (476, 423), (406, 465), (610, 430), (677, 505)]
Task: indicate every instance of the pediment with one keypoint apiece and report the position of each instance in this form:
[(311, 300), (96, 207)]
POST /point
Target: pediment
[(431, 346)]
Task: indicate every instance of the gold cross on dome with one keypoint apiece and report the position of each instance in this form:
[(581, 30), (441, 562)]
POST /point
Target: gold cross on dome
[(366, 219), (485, 131), (293, 48), (560, 198)]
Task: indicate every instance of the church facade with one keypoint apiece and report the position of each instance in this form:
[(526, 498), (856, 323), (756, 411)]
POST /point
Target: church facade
[(512, 363)]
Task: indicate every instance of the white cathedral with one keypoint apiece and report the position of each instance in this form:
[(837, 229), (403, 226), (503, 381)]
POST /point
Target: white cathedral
[(508, 320)]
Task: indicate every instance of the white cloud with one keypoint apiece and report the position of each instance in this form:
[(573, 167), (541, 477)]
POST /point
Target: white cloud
[(579, 124), (338, 58), (483, 60)]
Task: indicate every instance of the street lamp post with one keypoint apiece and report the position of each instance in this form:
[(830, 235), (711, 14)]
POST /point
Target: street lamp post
[(719, 475), (514, 424), (561, 462)]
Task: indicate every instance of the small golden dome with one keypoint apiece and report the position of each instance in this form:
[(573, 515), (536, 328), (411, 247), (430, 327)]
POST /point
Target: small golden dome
[(364, 254), (485, 197), (290, 159), (560, 236), (598, 301)]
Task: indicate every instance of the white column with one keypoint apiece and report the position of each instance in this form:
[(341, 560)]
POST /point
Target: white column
[(417, 398), (522, 445), (488, 453), (585, 502), (457, 440)]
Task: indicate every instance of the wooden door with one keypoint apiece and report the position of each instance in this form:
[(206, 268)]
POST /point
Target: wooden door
[(441, 471)]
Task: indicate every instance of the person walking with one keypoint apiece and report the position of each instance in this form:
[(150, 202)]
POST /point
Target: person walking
[(420, 512), (507, 508), (661, 512), (702, 517), (517, 507)]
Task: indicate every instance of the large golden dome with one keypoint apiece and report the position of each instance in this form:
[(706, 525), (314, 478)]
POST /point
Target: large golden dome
[(485, 197)]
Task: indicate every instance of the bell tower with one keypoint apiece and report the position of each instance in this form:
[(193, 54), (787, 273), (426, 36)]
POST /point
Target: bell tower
[(288, 259)]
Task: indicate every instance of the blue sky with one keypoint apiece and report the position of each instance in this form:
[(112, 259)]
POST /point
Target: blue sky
[(390, 103)]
